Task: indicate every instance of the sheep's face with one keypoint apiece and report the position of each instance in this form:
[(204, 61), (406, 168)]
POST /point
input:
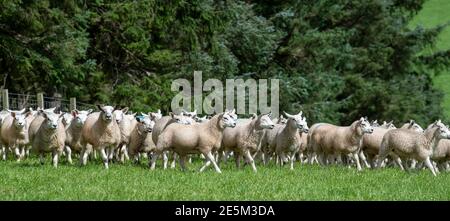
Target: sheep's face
[(375, 123), (80, 117), (145, 123), (67, 118), (119, 115), (200, 119), (444, 132), (106, 113), (300, 122), (389, 125), (282, 120), (265, 122), (416, 127), (189, 114), (51, 119), (19, 119), (180, 119), (365, 126), (156, 116), (229, 118)]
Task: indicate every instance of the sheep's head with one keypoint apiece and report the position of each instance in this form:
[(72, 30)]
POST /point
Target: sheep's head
[(282, 120), (444, 132), (265, 122), (80, 117), (67, 118), (181, 119), (375, 123), (20, 118), (200, 119), (146, 123), (414, 126), (365, 126), (106, 112), (156, 115), (389, 125), (51, 119), (229, 118), (189, 114), (300, 122), (119, 114)]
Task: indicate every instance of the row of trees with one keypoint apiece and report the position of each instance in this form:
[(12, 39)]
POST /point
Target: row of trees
[(337, 59)]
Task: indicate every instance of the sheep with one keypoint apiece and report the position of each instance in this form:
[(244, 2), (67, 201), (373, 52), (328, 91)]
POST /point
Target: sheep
[(387, 125), (327, 139), (102, 132), (165, 121), (126, 124), (404, 144), (49, 137), (140, 139), (67, 119), (197, 138), (371, 142), (74, 131), (189, 114), (245, 139), (288, 137), (14, 133), (412, 125), (441, 155)]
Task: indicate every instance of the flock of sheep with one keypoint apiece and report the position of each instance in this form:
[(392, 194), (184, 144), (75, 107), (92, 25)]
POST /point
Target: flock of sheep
[(118, 136)]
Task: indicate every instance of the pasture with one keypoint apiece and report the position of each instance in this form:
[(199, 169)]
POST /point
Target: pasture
[(29, 180)]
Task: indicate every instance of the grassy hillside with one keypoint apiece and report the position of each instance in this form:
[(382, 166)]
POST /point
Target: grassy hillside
[(30, 181), (436, 12)]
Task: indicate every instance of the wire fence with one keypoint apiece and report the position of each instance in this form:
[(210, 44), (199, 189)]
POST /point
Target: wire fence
[(17, 101)]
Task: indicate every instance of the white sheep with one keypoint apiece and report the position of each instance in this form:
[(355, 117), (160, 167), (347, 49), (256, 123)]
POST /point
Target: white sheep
[(14, 133)]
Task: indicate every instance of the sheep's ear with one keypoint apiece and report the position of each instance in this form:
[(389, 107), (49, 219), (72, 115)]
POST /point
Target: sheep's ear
[(159, 111), (13, 114), (90, 111), (61, 115), (100, 107), (125, 110), (195, 112), (254, 116), (269, 114), (75, 113), (172, 115)]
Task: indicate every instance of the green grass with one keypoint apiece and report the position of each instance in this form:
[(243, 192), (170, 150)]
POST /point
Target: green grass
[(436, 12), (29, 180)]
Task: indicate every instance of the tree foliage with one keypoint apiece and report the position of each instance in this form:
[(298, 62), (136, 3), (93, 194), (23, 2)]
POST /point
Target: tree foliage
[(337, 59)]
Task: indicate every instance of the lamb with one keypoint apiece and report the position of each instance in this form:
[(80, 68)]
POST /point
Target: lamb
[(197, 138), (102, 132), (162, 124), (140, 139), (49, 137), (371, 142), (14, 133), (245, 139), (327, 139), (405, 144), (412, 125), (67, 119), (74, 131), (288, 139), (126, 124)]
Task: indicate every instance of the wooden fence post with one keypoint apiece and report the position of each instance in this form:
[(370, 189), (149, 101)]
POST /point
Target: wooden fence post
[(73, 103), (5, 99), (40, 100)]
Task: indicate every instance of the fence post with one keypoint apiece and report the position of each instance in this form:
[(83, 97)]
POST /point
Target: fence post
[(5, 99), (40, 100), (73, 103)]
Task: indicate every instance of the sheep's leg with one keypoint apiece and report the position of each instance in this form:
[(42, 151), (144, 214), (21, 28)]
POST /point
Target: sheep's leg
[(358, 165), (364, 159), (292, 160), (173, 164), (413, 164), (3, 152), (281, 157), (183, 162), (250, 159), (398, 161), (22, 152), (105, 157), (41, 158), (206, 164), (125, 153), (211, 158), (311, 158), (84, 156), (165, 160), (55, 156), (68, 154), (237, 158), (17, 152), (429, 165), (122, 152), (447, 166), (153, 160)]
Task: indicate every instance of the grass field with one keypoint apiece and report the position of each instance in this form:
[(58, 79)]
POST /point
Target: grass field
[(30, 181), (436, 12)]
